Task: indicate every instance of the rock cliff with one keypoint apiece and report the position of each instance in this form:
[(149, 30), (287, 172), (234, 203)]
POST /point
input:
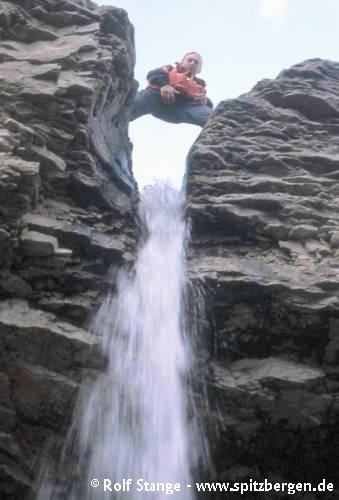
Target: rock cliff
[(262, 186), (263, 195), (66, 210)]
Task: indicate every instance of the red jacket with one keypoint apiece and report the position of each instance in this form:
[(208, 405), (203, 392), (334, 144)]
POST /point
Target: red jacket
[(176, 76)]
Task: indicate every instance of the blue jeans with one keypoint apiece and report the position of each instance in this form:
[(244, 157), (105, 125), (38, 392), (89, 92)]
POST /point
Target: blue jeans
[(148, 101)]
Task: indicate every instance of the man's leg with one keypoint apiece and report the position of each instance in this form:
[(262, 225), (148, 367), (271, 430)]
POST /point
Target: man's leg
[(195, 113), (184, 112), (146, 102)]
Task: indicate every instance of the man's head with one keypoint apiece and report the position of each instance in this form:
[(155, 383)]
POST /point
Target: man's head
[(192, 62)]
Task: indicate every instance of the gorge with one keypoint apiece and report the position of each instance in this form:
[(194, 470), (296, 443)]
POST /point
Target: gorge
[(261, 196)]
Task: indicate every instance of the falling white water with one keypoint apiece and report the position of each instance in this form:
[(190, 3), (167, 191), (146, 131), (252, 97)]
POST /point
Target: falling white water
[(133, 424)]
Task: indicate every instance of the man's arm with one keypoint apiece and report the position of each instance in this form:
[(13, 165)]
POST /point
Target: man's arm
[(206, 101), (160, 78)]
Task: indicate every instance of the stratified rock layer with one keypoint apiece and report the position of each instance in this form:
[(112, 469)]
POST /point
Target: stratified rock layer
[(263, 197), (66, 210)]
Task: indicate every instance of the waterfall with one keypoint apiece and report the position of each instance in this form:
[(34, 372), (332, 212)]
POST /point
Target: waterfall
[(133, 422)]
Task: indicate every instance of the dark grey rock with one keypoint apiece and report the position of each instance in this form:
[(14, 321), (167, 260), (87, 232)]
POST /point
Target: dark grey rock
[(262, 186), (67, 212), (38, 244)]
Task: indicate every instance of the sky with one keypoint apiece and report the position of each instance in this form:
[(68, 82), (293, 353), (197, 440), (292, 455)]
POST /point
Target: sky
[(241, 42)]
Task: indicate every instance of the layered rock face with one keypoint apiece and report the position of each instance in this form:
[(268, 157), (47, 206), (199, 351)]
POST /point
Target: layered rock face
[(66, 210), (263, 197)]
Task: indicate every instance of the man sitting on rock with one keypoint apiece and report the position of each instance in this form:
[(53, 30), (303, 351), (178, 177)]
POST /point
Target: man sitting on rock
[(175, 94)]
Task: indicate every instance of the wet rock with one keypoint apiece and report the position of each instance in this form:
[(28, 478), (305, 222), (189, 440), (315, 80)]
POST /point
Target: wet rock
[(12, 285), (43, 396), (302, 232), (4, 389), (8, 444), (14, 481), (335, 239), (36, 337), (79, 236), (262, 199), (4, 235), (67, 211), (279, 373), (38, 244)]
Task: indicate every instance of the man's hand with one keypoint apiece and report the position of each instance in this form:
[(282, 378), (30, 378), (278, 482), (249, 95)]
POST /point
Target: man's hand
[(167, 93)]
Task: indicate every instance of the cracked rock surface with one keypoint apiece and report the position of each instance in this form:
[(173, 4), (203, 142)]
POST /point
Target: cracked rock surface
[(67, 211), (263, 197)]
